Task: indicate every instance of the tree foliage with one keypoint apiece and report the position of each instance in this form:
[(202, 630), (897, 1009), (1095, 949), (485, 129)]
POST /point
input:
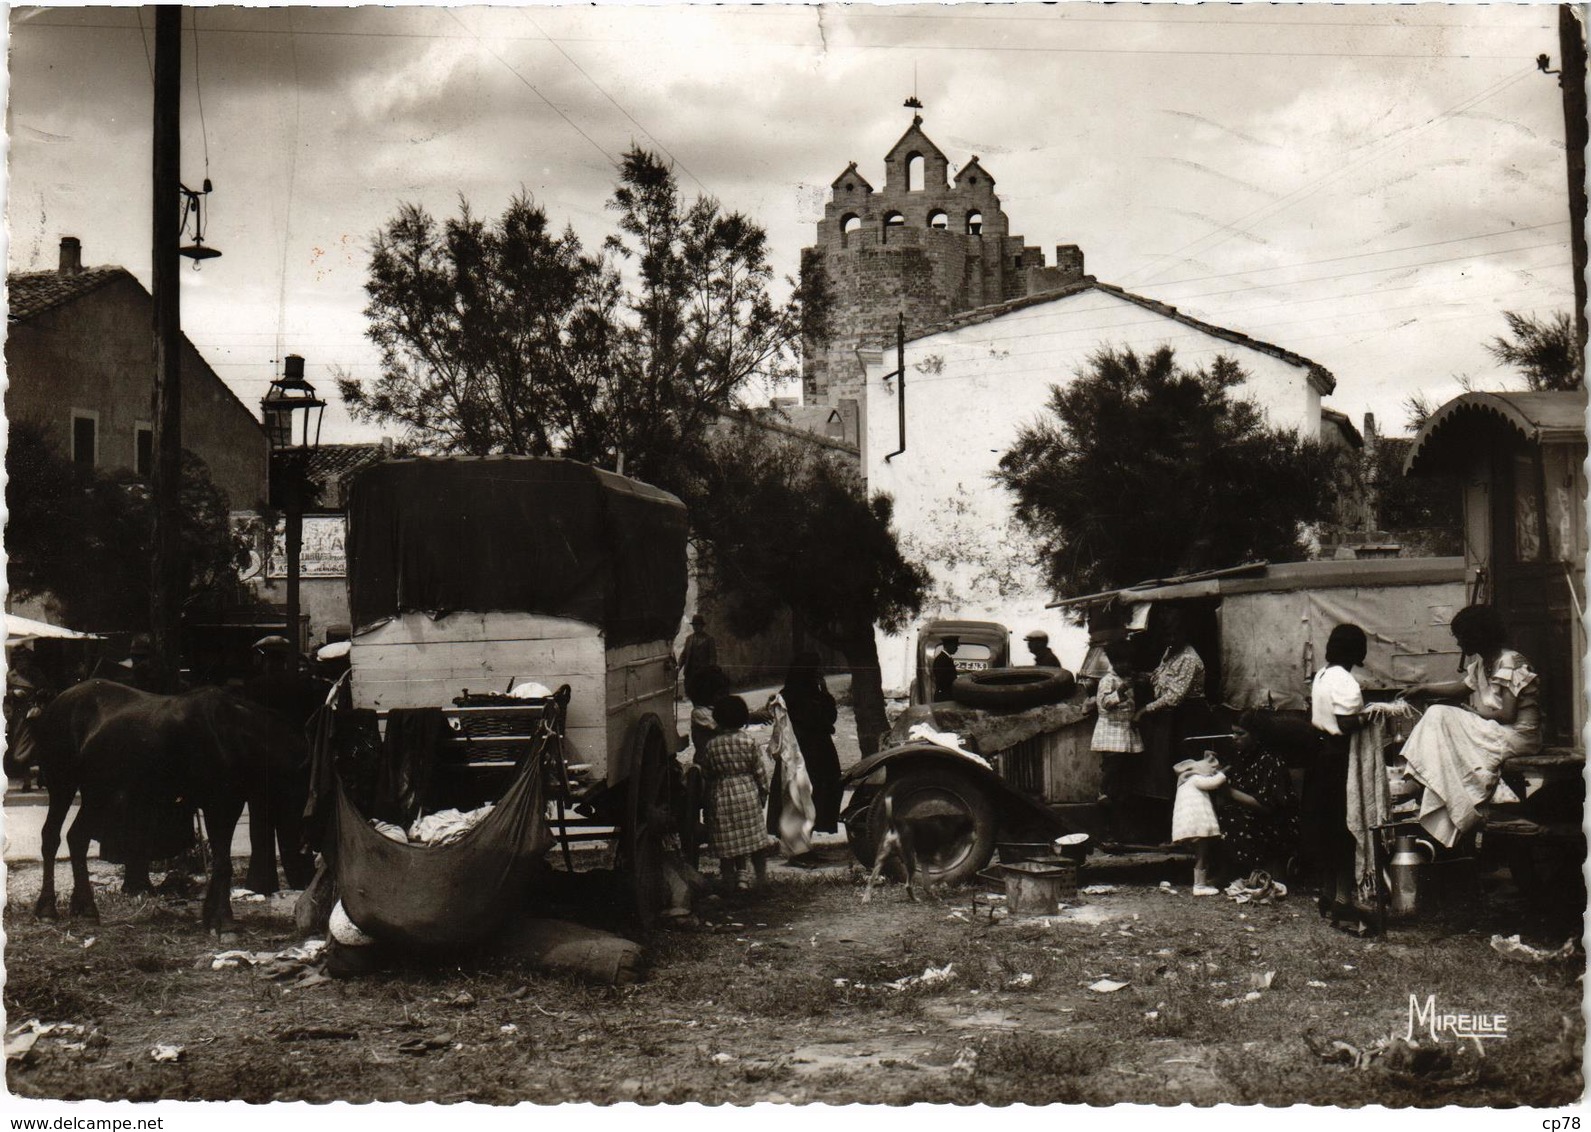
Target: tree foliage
[(1142, 469), (493, 338), (1543, 350), (507, 337), (784, 524), (84, 538)]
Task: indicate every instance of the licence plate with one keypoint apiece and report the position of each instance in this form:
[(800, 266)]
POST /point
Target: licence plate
[(971, 665)]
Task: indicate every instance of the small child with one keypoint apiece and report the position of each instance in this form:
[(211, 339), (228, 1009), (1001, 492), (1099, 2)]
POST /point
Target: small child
[(737, 790), (1116, 737), (1193, 815), (705, 688)]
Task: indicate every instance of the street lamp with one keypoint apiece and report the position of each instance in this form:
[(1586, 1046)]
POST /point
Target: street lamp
[(292, 399)]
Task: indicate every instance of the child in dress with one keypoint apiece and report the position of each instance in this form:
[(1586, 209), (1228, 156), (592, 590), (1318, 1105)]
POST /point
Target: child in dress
[(737, 789), (1193, 815), (1116, 738)]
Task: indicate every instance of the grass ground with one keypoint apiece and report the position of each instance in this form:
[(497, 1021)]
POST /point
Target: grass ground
[(802, 993)]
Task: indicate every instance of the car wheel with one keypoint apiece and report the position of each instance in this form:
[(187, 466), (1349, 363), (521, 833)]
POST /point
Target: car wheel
[(952, 822)]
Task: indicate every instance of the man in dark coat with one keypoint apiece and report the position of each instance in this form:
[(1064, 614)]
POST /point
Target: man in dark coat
[(700, 652), (944, 668)]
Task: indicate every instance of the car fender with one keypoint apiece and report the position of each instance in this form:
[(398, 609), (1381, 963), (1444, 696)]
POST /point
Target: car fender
[(1014, 807)]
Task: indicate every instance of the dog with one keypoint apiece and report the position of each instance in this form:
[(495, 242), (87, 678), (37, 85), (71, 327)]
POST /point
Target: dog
[(896, 841)]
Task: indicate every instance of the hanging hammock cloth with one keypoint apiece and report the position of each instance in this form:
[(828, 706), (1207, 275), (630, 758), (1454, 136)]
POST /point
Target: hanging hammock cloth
[(429, 897)]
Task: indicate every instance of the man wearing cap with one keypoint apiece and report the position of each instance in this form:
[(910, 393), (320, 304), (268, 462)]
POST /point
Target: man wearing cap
[(944, 668), (700, 651), (1039, 646)]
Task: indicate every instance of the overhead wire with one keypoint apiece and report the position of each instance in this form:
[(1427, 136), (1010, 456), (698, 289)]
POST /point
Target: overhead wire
[(143, 35), (525, 12), (287, 219), (1365, 255), (532, 88), (1302, 192), (817, 44), (198, 93)]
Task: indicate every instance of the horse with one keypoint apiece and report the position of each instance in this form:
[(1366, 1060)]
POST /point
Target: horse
[(140, 759)]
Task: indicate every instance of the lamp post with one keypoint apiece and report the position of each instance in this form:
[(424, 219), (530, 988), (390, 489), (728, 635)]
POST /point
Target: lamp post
[(292, 415)]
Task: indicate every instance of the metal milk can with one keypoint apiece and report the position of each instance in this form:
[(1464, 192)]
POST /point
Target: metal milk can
[(1409, 853)]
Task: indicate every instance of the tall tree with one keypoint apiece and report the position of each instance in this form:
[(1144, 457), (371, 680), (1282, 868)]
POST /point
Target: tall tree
[(508, 337), (702, 323), (1543, 350), (83, 538), (787, 525), (1142, 469), (493, 337)]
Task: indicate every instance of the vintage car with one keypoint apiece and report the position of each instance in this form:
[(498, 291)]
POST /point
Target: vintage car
[(1261, 630)]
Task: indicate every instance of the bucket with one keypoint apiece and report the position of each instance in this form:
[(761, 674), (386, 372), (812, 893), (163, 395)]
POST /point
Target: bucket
[(1015, 852), (1034, 888)]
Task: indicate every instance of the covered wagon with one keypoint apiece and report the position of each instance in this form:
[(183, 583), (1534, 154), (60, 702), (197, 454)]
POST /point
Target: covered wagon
[(512, 623)]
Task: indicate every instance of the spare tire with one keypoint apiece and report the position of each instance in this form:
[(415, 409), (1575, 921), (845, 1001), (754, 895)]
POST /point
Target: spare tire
[(1013, 688)]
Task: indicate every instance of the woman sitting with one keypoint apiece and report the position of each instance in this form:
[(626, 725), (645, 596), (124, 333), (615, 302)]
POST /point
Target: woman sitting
[(1455, 752), (1258, 812)]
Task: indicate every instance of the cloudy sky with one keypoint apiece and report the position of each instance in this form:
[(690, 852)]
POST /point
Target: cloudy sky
[(1369, 186)]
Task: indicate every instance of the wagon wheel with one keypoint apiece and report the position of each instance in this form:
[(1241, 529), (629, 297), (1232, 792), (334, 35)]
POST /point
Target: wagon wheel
[(650, 834)]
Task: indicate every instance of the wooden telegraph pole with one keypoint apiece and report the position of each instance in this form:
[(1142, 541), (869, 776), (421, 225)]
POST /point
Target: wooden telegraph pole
[(167, 596)]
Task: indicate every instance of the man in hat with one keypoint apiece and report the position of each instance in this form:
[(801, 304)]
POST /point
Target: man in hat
[(139, 669), (1039, 646), (700, 651), (944, 668), (280, 683)]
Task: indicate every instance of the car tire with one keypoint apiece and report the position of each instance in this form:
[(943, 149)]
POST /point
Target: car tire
[(953, 822), (858, 834), (1013, 688)]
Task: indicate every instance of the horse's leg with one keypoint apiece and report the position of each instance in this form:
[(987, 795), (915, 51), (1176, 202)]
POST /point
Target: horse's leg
[(135, 877), (262, 849), (219, 822), (77, 839), (49, 845)]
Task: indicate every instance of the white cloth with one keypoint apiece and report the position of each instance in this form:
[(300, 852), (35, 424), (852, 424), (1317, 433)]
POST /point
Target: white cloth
[(797, 813), (1192, 811), (446, 826), (1369, 800), (1454, 753), (1335, 692)]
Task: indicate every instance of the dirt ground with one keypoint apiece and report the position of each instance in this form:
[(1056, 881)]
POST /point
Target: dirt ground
[(802, 993)]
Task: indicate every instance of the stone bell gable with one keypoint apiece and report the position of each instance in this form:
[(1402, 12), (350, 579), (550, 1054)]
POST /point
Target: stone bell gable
[(932, 243)]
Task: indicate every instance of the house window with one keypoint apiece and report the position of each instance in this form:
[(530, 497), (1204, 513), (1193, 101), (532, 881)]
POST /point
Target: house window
[(85, 437), (894, 220), (974, 223), (914, 173), (848, 224), (938, 219), (144, 449)]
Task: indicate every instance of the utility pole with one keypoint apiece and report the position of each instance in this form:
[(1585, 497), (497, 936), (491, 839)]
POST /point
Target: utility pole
[(1571, 80), (166, 600)]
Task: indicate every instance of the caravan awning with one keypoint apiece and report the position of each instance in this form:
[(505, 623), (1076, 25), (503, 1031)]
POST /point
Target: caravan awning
[(1448, 437), (19, 629)]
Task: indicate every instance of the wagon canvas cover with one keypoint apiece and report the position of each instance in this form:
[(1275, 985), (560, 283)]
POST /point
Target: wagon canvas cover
[(554, 537)]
